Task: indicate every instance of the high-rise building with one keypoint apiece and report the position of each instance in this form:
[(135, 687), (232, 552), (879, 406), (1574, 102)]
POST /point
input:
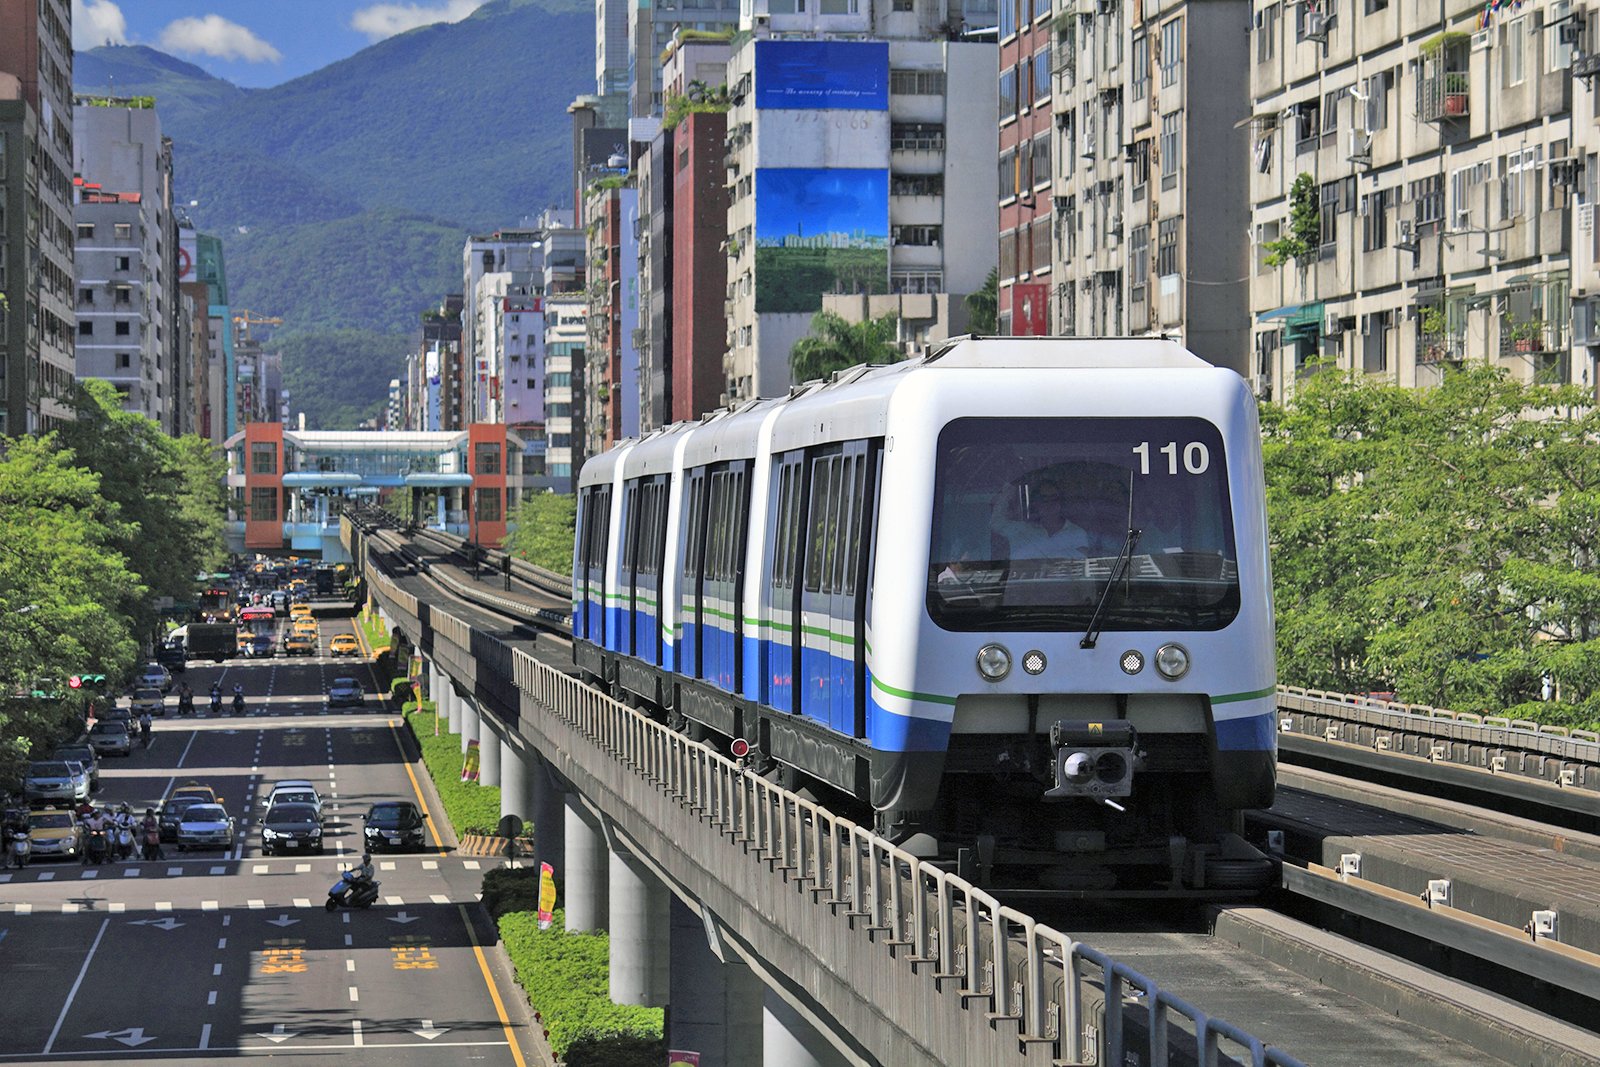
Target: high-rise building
[(1413, 175), (514, 258), (37, 324), (118, 149), (860, 165), (611, 393), (565, 339)]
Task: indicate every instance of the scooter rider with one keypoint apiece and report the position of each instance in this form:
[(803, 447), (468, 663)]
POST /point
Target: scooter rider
[(185, 700), (238, 700), (144, 729), (216, 698)]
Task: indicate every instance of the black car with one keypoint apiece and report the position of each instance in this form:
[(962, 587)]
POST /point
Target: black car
[(393, 824), (172, 813), (291, 828)]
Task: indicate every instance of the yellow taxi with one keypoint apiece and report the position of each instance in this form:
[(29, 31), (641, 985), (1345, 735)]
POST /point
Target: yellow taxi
[(54, 832), (304, 626), (300, 611), (300, 644), (344, 645), (243, 642)]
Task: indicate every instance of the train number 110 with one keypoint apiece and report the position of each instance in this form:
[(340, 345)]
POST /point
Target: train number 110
[(1196, 456)]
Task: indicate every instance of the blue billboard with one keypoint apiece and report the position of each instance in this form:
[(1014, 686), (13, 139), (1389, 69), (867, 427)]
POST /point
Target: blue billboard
[(819, 230), (822, 75)]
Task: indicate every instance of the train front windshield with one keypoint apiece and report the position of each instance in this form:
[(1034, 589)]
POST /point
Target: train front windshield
[(1031, 518)]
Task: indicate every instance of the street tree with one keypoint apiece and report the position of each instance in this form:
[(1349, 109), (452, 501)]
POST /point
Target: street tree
[(836, 343)]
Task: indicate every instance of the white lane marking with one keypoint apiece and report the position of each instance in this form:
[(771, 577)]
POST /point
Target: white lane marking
[(430, 865), (192, 735), (163, 905), (302, 902), (226, 919), (347, 941), (354, 995), (470, 865), (73, 992), (345, 915), (393, 900), (350, 965), (23, 909), (88, 872), (205, 1037), (131, 872), (222, 943), (116, 907), (256, 904), (5, 877), (208, 905), (173, 872), (69, 909), (216, 970), (219, 870), (439, 898), (46, 876), (356, 1026), (260, 868), (386, 865), (211, 999), (301, 868)]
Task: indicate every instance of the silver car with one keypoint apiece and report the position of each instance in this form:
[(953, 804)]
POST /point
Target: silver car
[(53, 782), (155, 676), (147, 699), (111, 738), (205, 826)]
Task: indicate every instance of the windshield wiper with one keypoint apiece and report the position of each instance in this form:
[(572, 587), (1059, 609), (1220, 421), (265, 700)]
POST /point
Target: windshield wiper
[(1092, 634)]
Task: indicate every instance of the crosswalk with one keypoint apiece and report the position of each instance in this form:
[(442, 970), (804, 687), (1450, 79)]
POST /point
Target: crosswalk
[(23, 909), (160, 869)]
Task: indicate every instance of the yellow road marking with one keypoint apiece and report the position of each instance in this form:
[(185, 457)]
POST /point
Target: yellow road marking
[(416, 787), (494, 993)]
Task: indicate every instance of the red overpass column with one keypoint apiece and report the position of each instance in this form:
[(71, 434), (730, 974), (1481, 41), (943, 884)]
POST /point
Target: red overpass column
[(263, 486), (486, 510)]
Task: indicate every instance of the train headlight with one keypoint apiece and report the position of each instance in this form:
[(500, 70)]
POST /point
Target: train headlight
[(1172, 661), (994, 662)]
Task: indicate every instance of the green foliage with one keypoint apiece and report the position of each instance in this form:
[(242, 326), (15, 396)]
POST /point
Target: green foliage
[(1442, 543), (1305, 225), (60, 570), (565, 975), (470, 807), (541, 531), (510, 889), (168, 493), (836, 343), (697, 97), (983, 306)]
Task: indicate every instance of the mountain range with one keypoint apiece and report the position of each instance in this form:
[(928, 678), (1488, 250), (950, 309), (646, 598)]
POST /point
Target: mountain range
[(343, 197)]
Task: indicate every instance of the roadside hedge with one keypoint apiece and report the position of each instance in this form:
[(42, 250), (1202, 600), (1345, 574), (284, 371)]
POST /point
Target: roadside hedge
[(565, 976), (470, 807)]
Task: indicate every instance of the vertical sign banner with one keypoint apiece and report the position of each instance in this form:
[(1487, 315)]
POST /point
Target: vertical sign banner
[(547, 895), (469, 767), (679, 1058)]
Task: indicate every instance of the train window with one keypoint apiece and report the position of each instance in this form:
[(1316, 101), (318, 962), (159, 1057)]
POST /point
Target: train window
[(844, 526), (858, 513), (694, 537), (792, 526), (1030, 516), (630, 536), (817, 546), (780, 530)]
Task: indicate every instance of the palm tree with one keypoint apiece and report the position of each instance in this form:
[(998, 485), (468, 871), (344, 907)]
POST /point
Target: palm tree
[(982, 306), (836, 343)]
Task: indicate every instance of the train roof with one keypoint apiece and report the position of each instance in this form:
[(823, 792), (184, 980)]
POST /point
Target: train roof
[(1061, 353)]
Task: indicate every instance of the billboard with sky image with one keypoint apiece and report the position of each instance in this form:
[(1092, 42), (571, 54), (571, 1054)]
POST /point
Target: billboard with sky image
[(819, 230)]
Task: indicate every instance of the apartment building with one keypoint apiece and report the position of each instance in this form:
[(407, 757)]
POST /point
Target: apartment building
[(37, 323), (565, 341), (514, 258), (856, 166), (1413, 179), (117, 336), (611, 396)]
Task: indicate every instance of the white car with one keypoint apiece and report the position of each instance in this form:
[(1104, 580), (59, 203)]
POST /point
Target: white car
[(205, 826), (155, 676), (294, 791)]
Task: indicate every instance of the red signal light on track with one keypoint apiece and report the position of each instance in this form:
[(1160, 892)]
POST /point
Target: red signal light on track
[(740, 748)]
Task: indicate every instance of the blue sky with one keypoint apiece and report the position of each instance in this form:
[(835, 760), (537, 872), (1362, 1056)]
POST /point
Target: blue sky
[(256, 43)]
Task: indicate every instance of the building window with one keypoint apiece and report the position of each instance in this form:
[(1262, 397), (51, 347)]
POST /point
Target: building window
[(85, 327), (1008, 255), (124, 294), (1067, 229), (124, 360), (916, 235), (1138, 263), (1267, 33), (85, 231), (1427, 196), (1008, 175), (1171, 52), (488, 457), (263, 457), (488, 504), (1008, 94), (1167, 247), (916, 137), (916, 281), (1519, 192), (1514, 54), (1139, 166), (86, 296), (1041, 74), (1171, 131), (124, 328), (1041, 159), (1140, 75), (1375, 219), (916, 82), (124, 262), (264, 504), (1375, 342), (122, 230), (1041, 244), (1069, 143), (1328, 216), (919, 185)]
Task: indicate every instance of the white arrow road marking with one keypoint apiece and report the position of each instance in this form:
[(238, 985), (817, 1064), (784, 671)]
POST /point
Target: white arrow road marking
[(278, 1035), (428, 1031), (133, 1036), (403, 918), (169, 924), (281, 921)]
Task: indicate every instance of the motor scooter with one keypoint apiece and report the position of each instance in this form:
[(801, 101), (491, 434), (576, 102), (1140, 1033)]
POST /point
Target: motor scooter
[(97, 848), (124, 843), (238, 703), (216, 702), (352, 891), (21, 848)]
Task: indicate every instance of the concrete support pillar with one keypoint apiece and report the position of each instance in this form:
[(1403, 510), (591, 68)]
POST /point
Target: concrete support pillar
[(488, 751), (441, 509), (548, 806), (716, 1002), (788, 1040), (455, 706), (584, 880), (436, 684), (471, 725), (513, 780), (641, 958)]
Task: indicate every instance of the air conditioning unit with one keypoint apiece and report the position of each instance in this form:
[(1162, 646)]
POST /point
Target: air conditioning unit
[(1564, 172), (1482, 39), (1360, 148), (1316, 26), (1334, 326), (1571, 31)]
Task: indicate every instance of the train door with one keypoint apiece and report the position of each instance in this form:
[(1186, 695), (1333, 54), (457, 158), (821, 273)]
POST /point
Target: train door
[(870, 467), (627, 568), (648, 549), (690, 633), (726, 506), (782, 631), (843, 633), (596, 523), (816, 598)]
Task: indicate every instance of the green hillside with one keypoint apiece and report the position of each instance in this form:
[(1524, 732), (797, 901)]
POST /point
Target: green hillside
[(343, 197)]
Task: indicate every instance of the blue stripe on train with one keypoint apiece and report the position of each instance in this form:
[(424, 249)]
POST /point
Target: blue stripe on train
[(1255, 733)]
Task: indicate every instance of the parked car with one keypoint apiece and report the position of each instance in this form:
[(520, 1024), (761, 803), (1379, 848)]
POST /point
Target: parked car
[(291, 827), (52, 783), (54, 832), (154, 676), (205, 826), (344, 645), (81, 752), (151, 700), (345, 692), (111, 738), (393, 824)]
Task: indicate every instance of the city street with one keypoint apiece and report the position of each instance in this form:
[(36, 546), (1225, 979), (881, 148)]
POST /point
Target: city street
[(232, 952)]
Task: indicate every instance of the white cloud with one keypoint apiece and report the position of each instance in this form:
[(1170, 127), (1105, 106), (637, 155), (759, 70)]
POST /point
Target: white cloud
[(213, 35), (381, 21), (97, 22)]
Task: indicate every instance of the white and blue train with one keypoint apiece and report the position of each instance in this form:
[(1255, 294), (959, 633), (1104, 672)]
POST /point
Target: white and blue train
[(1014, 597)]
